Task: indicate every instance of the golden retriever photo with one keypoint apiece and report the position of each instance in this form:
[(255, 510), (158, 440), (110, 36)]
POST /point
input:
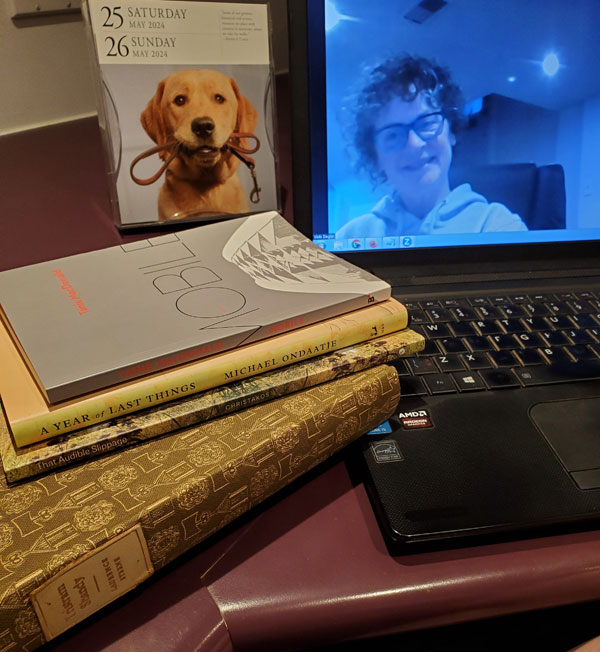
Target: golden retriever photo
[(192, 115)]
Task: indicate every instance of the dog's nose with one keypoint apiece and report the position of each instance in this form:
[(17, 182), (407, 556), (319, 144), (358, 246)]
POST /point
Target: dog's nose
[(203, 126)]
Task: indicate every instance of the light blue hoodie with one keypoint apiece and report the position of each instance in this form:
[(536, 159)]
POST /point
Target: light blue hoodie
[(462, 211)]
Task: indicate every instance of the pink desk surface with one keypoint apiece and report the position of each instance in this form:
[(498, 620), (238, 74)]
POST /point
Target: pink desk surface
[(307, 568)]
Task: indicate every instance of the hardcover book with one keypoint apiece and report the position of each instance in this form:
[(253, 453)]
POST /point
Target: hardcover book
[(185, 107), (75, 540), (31, 419), (89, 321), (94, 441)]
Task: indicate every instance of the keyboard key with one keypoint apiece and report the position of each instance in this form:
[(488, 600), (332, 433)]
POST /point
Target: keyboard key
[(518, 298), (412, 386), (530, 356), (530, 340), (512, 325), (400, 366), (476, 360), (542, 298), (453, 345), (537, 309), (555, 354), (431, 348), (558, 322), (505, 341), (449, 363), (436, 330), (418, 317), (503, 358), (537, 323), (468, 381), (489, 312), (440, 315), (584, 321), (488, 327), (559, 308), (478, 343), (500, 378), (578, 336), (455, 303), (479, 301), (558, 373), (410, 305), (464, 314), (516, 310), (439, 384), (581, 352), (555, 338), (421, 365), (581, 306), (463, 328)]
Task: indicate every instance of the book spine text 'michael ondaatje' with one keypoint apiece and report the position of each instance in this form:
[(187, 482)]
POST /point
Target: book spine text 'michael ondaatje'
[(31, 419), (118, 433)]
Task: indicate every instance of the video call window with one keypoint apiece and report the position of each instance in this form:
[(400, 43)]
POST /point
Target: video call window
[(460, 122)]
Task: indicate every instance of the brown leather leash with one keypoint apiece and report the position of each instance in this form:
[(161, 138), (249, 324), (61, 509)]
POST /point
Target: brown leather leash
[(233, 145)]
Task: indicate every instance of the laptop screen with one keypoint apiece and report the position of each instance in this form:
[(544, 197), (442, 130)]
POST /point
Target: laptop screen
[(445, 123)]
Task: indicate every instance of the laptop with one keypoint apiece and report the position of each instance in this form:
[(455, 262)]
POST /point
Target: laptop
[(452, 147)]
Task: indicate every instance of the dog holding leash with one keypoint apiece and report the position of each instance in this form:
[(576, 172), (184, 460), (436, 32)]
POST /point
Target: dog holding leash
[(203, 128)]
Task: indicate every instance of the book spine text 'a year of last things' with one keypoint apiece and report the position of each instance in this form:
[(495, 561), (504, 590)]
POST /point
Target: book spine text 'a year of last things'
[(118, 433), (31, 419)]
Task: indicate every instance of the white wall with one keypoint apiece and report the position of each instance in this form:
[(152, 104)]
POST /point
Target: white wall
[(45, 69)]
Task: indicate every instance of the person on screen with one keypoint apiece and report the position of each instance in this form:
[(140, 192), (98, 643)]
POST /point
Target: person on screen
[(404, 130)]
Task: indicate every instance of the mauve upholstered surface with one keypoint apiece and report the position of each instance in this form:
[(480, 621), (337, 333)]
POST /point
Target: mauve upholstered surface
[(309, 567)]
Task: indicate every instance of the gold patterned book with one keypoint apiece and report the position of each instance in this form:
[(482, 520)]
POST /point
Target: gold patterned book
[(125, 431), (32, 419), (73, 541)]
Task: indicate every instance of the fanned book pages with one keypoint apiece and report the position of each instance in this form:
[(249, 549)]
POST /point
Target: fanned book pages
[(185, 105), (104, 317)]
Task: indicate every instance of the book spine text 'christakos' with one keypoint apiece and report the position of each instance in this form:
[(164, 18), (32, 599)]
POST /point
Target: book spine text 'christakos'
[(38, 421), (103, 438)]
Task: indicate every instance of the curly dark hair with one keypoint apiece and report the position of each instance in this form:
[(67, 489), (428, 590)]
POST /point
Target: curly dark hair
[(402, 76)]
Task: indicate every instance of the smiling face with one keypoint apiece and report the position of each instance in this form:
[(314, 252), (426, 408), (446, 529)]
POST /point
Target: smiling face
[(418, 169)]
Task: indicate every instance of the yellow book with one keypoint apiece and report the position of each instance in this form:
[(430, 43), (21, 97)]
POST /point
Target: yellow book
[(32, 419), (130, 430)]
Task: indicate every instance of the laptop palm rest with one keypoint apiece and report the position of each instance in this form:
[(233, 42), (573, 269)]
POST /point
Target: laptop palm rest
[(572, 428), (504, 461)]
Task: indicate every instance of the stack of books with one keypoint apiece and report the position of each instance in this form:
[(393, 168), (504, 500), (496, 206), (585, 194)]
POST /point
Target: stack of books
[(179, 381)]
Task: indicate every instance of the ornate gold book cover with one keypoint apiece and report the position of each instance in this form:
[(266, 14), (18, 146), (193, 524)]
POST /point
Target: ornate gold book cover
[(176, 491)]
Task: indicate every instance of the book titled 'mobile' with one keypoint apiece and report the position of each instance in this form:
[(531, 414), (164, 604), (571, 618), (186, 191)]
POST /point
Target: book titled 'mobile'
[(89, 321)]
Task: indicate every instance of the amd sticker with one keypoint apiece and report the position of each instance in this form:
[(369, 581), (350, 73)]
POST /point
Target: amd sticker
[(415, 419)]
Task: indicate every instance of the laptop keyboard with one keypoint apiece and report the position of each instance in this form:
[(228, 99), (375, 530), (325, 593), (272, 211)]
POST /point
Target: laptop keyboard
[(490, 342)]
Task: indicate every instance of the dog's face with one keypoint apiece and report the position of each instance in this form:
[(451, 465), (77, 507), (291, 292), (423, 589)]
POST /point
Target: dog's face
[(200, 109)]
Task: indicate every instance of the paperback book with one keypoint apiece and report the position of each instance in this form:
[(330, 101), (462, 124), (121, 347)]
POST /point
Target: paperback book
[(32, 419), (75, 540), (185, 106), (103, 317), (172, 417)]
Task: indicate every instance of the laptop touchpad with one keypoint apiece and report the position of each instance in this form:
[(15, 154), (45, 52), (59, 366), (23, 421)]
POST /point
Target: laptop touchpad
[(572, 428)]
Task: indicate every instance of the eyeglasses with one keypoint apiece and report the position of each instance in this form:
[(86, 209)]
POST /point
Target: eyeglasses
[(394, 137)]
